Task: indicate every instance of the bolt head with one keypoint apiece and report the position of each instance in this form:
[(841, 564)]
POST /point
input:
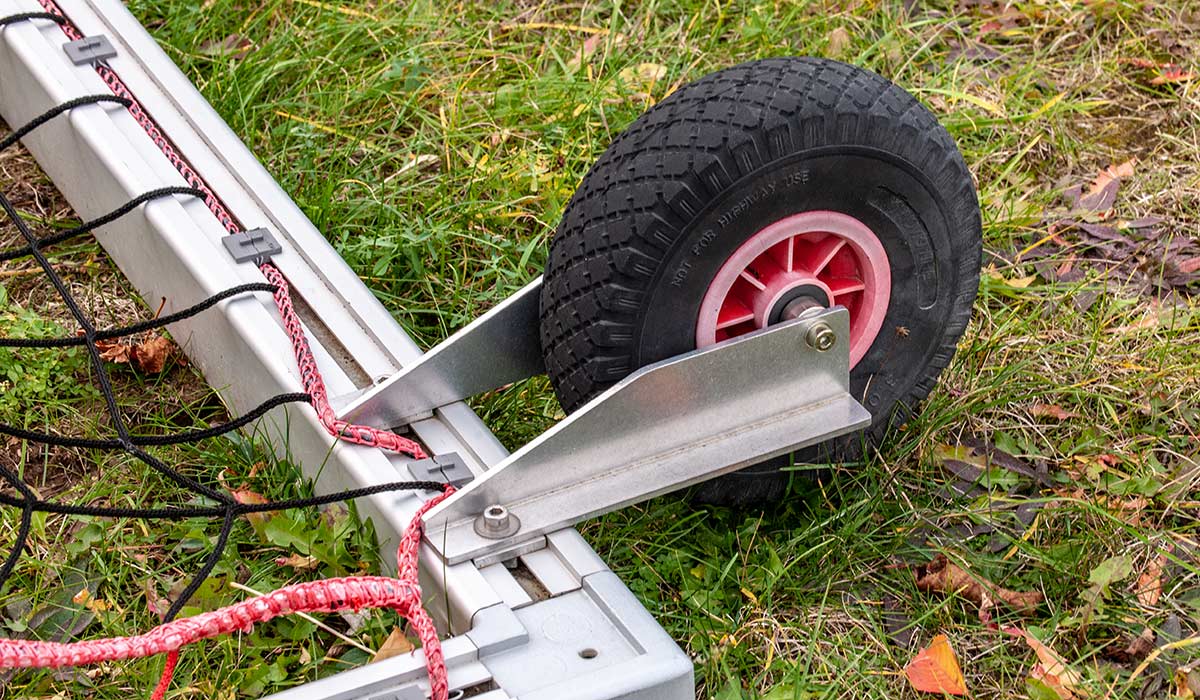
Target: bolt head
[(495, 518), (496, 522), (820, 337)]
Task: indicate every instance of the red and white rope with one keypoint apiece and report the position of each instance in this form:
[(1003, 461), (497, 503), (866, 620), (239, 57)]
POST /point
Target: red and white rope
[(309, 374), (402, 593)]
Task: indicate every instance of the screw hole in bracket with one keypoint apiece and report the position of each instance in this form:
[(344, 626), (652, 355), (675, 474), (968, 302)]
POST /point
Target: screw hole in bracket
[(588, 653)]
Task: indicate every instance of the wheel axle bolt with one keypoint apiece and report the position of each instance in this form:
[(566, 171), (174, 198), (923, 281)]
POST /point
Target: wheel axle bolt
[(820, 336)]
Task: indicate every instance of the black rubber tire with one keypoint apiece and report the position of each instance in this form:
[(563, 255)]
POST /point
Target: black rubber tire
[(635, 251)]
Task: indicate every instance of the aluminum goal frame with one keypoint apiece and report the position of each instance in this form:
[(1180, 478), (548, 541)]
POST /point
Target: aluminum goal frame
[(561, 624)]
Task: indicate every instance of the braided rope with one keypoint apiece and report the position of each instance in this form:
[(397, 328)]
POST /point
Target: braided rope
[(309, 374), (402, 594), (314, 385)]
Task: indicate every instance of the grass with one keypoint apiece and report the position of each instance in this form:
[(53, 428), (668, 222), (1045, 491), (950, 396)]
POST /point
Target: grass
[(436, 144)]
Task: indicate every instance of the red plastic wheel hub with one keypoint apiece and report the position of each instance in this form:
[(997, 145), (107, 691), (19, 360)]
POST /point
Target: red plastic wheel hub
[(824, 255)]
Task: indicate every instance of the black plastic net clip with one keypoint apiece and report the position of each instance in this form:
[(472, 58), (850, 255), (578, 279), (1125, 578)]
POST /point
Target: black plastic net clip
[(256, 245)]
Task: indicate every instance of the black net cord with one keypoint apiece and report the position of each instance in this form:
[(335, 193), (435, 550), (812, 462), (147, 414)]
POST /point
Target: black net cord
[(24, 16), (55, 111), (89, 226), (174, 513), (142, 327), (227, 508), (98, 368), (157, 440)]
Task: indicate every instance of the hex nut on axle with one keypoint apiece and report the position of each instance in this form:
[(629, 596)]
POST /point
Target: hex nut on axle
[(496, 523), (820, 336)]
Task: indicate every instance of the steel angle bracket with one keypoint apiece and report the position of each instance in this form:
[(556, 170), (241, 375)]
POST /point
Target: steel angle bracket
[(666, 426), (500, 347)]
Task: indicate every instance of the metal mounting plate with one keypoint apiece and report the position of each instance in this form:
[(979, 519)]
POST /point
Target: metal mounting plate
[(666, 426), (500, 347)]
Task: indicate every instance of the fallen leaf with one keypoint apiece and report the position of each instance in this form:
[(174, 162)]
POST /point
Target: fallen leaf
[(1187, 682), (1043, 410), (941, 576), (395, 645), (157, 604), (1051, 682), (642, 76), (244, 495), (151, 355), (115, 351), (1149, 584), (1102, 577), (1102, 193), (1052, 669), (298, 562), (586, 51), (1135, 648), (839, 41), (935, 669), (1140, 62)]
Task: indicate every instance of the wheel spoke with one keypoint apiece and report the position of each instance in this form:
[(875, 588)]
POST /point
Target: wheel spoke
[(844, 285), (818, 256), (782, 253), (752, 280), (733, 312)]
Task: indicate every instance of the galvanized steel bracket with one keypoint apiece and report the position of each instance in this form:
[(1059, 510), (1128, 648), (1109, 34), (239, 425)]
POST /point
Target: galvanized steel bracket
[(666, 426)]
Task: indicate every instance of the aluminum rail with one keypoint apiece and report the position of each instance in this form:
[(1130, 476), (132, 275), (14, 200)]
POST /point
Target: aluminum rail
[(509, 638)]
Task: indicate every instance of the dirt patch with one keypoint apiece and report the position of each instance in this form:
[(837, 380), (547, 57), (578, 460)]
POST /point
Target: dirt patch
[(49, 470)]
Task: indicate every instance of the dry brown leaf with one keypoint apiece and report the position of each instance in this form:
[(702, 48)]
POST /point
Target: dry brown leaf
[(1052, 669), (1140, 62), (1110, 175), (157, 604), (1187, 682), (1049, 410), (1140, 646), (935, 669), (234, 46), (298, 562), (839, 41), (395, 645), (1051, 681), (642, 76), (115, 351), (246, 496), (1149, 584), (151, 355), (941, 576)]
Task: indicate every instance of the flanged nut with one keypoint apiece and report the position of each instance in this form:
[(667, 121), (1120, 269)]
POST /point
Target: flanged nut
[(820, 336), (496, 522)]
